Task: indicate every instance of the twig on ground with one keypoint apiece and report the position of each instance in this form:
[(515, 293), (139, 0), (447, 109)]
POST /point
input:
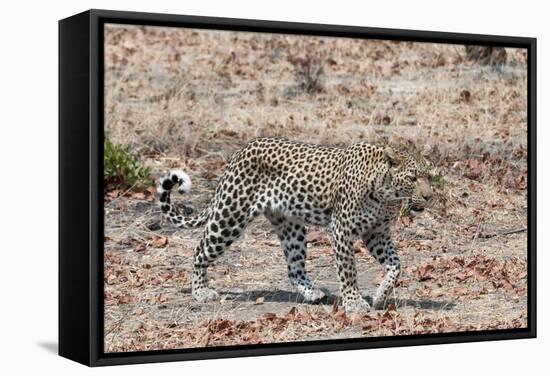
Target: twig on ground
[(509, 232)]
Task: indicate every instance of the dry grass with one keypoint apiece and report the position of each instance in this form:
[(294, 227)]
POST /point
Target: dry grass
[(188, 99)]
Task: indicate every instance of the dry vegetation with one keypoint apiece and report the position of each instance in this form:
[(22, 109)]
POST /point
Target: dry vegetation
[(188, 99)]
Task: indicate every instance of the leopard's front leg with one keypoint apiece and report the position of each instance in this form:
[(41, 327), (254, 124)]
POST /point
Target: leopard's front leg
[(347, 272), (382, 248)]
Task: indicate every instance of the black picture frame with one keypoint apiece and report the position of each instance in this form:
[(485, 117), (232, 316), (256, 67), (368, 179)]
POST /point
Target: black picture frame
[(81, 192)]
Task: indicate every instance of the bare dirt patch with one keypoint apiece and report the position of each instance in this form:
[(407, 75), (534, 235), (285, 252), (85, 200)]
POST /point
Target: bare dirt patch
[(188, 99)]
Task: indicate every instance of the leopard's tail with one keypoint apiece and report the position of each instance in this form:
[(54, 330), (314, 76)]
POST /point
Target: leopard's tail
[(180, 180)]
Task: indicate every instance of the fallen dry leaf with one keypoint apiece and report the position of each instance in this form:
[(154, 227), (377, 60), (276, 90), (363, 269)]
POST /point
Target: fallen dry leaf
[(139, 195), (259, 300), (141, 247), (160, 241), (423, 272), (269, 316), (113, 193), (317, 238)]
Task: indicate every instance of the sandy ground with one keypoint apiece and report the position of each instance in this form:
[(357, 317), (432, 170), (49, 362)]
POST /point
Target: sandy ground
[(188, 99)]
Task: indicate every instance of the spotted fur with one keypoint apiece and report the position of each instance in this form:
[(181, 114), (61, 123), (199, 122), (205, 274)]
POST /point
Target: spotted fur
[(355, 192)]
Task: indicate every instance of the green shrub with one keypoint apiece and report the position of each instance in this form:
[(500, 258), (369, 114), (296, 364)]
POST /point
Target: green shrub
[(438, 181), (122, 169)]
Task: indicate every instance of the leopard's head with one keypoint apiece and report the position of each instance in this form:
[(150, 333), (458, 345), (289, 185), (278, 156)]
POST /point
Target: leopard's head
[(410, 177)]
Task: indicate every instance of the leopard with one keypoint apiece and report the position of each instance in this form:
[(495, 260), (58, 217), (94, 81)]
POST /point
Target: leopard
[(356, 192)]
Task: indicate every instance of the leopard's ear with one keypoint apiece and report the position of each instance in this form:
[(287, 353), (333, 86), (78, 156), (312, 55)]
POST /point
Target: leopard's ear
[(392, 156)]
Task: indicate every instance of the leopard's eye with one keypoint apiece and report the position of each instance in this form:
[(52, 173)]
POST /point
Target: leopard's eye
[(412, 177)]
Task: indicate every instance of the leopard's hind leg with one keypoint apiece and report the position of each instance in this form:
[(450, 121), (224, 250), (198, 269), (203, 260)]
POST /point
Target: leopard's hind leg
[(292, 234), (223, 227)]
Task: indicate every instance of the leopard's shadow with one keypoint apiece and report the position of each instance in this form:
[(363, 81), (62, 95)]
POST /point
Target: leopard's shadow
[(436, 305), (277, 296), (284, 296), (271, 296)]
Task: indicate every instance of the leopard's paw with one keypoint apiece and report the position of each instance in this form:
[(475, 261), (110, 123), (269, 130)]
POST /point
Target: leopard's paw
[(358, 305), (205, 294), (313, 295)]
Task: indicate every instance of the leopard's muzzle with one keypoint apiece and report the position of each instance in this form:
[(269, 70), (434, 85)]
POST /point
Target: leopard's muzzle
[(421, 196)]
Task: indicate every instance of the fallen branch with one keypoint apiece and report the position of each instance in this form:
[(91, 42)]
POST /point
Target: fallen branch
[(509, 232)]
